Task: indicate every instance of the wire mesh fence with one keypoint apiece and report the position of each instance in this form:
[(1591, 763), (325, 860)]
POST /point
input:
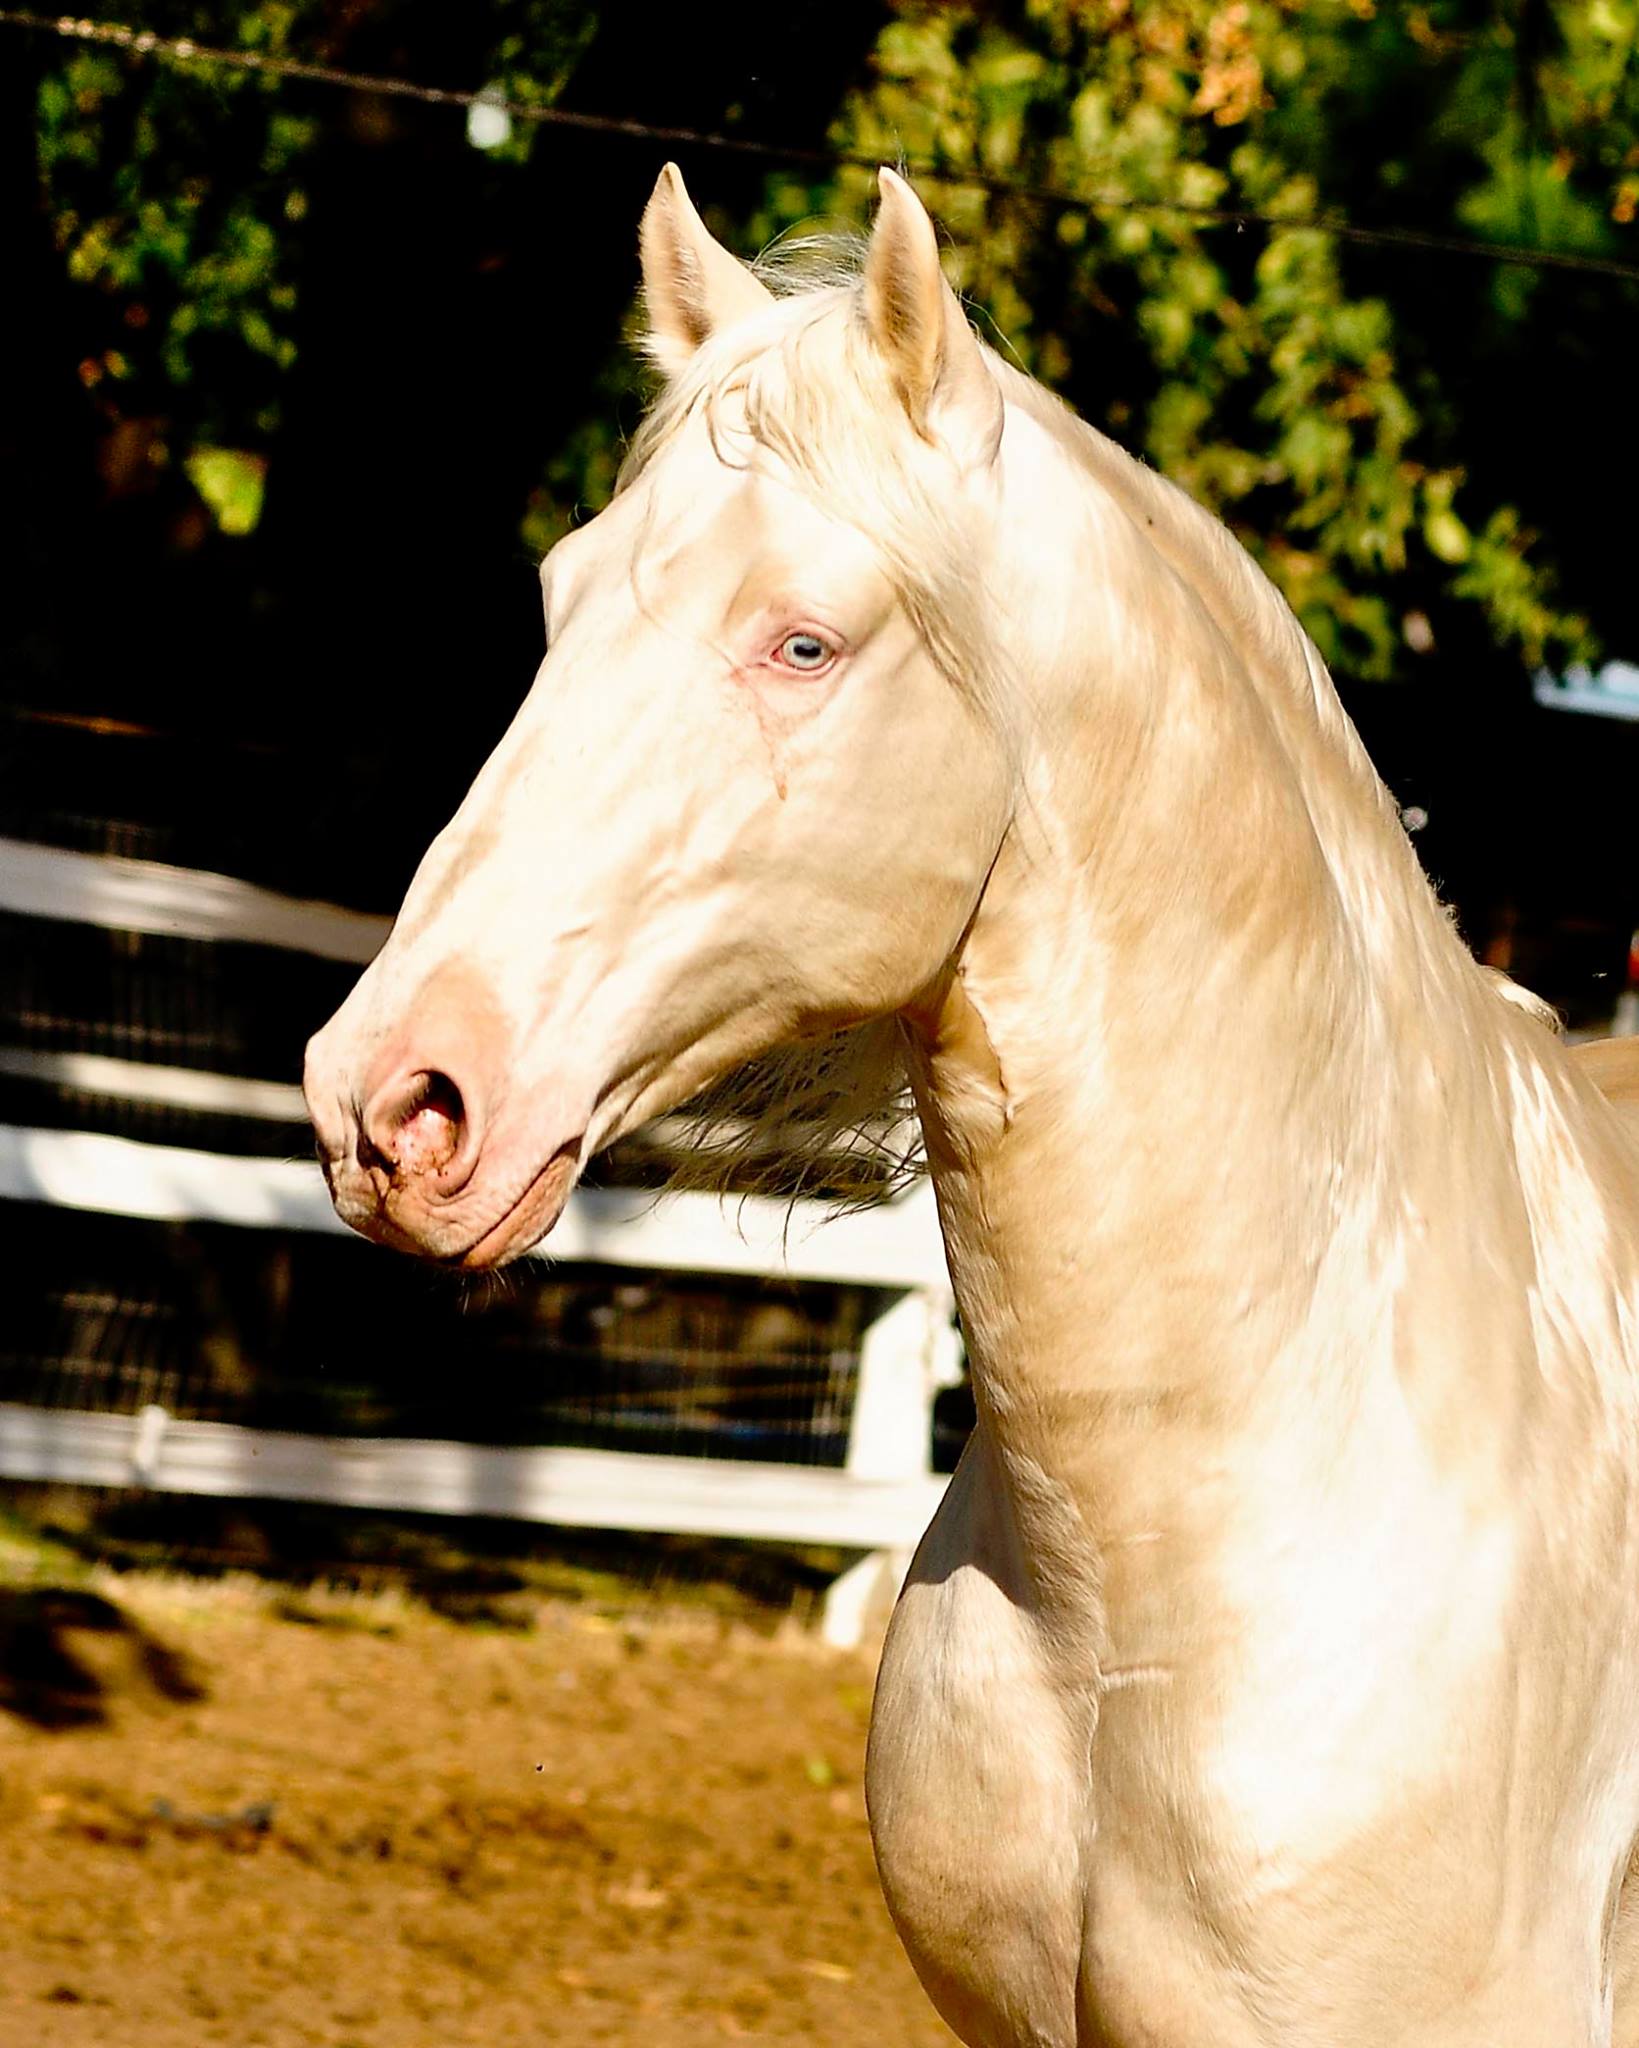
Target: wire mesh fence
[(194, 1042), (177, 1002), (208, 801), (285, 1332)]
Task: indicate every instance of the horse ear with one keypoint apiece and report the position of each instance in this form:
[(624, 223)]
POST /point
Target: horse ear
[(922, 333), (691, 284)]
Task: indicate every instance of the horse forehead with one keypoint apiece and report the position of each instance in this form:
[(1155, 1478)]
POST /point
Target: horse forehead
[(736, 522)]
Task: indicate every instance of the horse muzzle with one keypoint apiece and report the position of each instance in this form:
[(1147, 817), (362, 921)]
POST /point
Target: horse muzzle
[(427, 1152)]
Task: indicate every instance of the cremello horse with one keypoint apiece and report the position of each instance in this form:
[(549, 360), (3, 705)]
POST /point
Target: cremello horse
[(1270, 1674)]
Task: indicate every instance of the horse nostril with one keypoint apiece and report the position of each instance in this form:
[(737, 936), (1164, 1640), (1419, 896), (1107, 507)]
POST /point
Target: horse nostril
[(416, 1124), (431, 1134)]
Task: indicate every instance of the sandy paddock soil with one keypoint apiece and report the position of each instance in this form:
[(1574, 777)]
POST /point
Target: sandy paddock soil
[(272, 1821)]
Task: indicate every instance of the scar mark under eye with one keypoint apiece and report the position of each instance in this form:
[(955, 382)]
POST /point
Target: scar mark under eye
[(769, 731)]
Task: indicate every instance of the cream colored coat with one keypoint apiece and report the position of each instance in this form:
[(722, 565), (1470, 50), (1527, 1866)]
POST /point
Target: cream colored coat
[(1270, 1676)]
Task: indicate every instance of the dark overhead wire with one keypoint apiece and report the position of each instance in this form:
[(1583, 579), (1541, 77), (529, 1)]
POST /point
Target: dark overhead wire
[(185, 50)]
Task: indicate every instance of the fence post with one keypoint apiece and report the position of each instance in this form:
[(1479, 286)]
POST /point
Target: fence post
[(146, 1442), (906, 1356)]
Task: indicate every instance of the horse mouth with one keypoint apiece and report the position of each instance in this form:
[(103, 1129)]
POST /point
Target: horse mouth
[(399, 1214)]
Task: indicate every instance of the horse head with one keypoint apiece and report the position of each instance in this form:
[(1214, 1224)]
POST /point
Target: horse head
[(754, 791)]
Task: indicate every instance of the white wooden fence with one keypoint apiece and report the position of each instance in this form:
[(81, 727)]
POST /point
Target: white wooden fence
[(877, 1504)]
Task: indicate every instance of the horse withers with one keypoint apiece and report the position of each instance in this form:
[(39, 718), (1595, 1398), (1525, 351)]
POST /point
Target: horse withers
[(1270, 1673)]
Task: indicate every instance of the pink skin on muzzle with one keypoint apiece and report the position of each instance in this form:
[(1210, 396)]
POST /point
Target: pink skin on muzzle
[(428, 1157)]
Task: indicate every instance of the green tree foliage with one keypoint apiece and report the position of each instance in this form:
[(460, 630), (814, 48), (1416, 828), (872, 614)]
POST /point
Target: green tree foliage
[(1377, 425), (172, 192), (177, 192), (1332, 425)]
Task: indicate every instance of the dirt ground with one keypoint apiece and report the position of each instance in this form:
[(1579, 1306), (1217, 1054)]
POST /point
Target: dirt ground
[(233, 1814)]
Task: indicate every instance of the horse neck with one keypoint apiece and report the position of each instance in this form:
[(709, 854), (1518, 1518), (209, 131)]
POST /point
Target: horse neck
[(1176, 1090)]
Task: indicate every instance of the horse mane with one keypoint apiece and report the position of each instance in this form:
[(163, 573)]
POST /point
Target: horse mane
[(827, 1117), (833, 1115), (1286, 668)]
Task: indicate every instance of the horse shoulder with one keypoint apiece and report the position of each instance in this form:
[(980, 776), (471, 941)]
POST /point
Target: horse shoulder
[(976, 1779)]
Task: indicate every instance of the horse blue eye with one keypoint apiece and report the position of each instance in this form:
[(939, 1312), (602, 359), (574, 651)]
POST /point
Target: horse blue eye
[(804, 650)]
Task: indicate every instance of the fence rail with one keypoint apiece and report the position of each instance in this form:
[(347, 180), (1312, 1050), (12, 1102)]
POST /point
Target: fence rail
[(148, 896), (630, 1490), (878, 1503)]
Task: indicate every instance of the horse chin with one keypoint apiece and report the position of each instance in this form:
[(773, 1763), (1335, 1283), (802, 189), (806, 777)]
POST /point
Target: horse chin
[(529, 1219)]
